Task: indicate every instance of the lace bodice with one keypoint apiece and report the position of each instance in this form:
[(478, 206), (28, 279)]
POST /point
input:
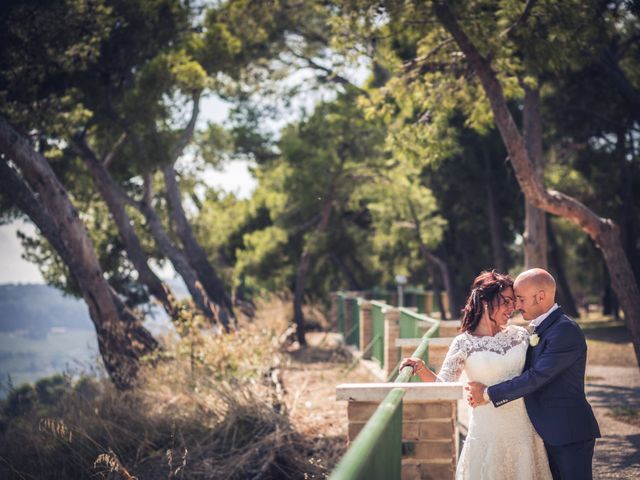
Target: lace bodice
[(477, 355)]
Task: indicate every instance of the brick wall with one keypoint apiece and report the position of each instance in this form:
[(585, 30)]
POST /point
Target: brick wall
[(429, 436)]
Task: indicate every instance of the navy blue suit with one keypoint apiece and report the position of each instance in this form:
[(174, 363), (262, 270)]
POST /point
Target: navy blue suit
[(552, 384)]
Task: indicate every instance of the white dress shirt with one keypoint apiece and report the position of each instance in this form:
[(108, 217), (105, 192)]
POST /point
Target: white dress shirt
[(535, 323)]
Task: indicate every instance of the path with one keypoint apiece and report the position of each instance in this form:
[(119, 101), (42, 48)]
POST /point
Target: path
[(310, 377), (615, 389)]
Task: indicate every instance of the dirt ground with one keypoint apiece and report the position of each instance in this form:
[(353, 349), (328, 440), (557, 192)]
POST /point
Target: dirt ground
[(613, 389), (310, 377)]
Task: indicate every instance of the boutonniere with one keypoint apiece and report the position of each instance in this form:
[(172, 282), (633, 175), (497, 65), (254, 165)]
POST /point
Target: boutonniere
[(534, 340)]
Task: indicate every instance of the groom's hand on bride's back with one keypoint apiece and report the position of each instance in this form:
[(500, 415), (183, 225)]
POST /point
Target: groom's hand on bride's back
[(475, 394)]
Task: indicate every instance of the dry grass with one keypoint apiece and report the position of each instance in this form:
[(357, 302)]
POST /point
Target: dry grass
[(207, 407)]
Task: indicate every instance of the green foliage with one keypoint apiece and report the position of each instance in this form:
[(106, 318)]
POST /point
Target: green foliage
[(416, 146)]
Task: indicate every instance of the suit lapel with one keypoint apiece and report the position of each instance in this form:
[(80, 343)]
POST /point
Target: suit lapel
[(550, 320), (527, 358), (543, 327)]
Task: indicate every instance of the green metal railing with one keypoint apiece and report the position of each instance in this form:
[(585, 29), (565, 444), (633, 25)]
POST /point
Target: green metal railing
[(352, 333), (377, 332), (340, 322), (377, 450), (376, 453), (422, 351)]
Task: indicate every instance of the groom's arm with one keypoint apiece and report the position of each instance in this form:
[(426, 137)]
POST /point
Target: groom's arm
[(561, 351)]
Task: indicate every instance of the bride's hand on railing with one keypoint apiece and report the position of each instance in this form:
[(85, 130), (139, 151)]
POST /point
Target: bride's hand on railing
[(419, 368)]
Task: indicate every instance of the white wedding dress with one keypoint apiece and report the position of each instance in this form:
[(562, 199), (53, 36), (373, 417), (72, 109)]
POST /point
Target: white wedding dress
[(501, 443)]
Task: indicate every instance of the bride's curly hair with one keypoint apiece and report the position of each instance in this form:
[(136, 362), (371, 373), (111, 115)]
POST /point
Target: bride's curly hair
[(485, 288)]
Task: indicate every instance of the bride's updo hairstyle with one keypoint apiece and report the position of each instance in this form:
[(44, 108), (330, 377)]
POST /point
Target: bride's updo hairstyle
[(485, 288)]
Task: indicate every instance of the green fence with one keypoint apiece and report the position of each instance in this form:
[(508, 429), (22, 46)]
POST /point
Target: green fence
[(377, 332), (340, 321), (376, 453), (377, 450), (352, 333)]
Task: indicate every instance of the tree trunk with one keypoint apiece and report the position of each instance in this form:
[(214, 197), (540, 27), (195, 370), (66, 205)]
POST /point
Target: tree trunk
[(303, 267), (494, 219), (610, 66), (436, 260), (177, 258), (435, 289), (449, 286), (535, 229), (602, 231), (628, 225), (122, 340), (298, 297), (565, 297), (133, 247), (195, 254), (610, 302)]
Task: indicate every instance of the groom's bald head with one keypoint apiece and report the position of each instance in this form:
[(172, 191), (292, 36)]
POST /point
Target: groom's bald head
[(535, 291)]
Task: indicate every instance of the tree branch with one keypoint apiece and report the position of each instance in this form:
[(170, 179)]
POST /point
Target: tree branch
[(521, 20), (85, 151), (108, 158), (147, 189), (187, 133), (332, 76), (550, 201), (419, 62)]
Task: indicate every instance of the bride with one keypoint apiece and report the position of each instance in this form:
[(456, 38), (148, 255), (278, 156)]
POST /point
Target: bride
[(500, 444)]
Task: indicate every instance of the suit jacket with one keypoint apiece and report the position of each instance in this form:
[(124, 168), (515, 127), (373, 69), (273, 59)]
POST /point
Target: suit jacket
[(552, 383)]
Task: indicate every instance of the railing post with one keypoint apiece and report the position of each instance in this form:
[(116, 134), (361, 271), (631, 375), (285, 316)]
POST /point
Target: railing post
[(366, 334), (333, 310), (391, 333), (429, 426)]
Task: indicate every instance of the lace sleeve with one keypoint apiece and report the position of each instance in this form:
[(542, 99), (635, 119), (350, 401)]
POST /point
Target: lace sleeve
[(453, 364)]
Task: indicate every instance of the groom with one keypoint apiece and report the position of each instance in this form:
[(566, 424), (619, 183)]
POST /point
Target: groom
[(552, 382)]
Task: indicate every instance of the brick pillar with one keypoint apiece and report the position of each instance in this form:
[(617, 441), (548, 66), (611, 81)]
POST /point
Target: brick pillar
[(365, 326), (429, 436), (437, 354), (391, 332), (430, 440)]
